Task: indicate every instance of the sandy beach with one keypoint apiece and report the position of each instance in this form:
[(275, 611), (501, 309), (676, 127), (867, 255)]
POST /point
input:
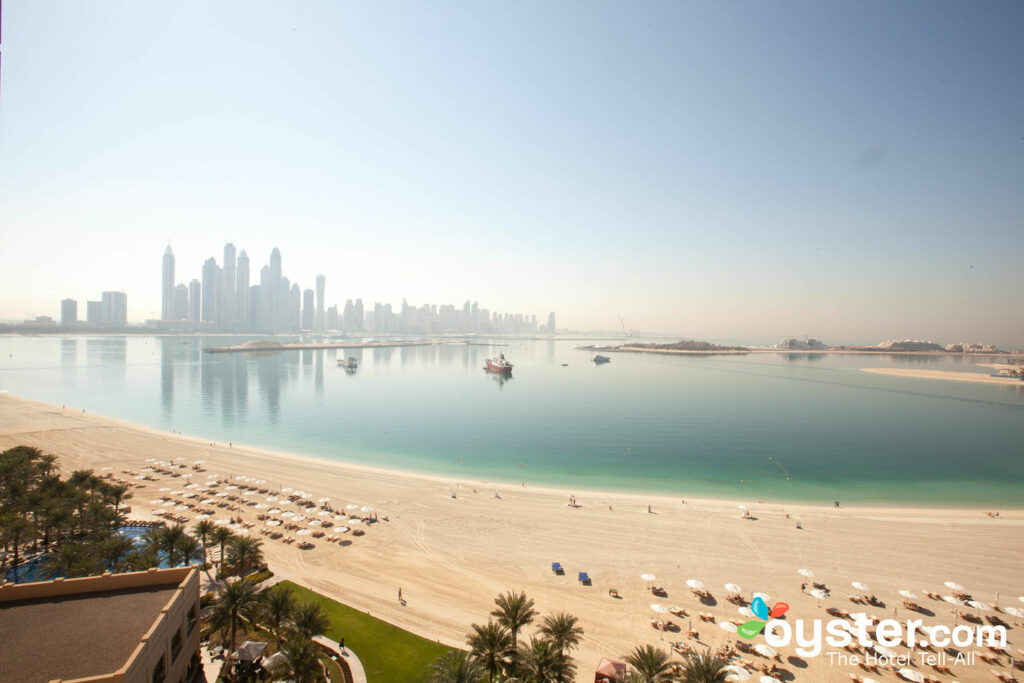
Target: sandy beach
[(452, 545), (946, 375)]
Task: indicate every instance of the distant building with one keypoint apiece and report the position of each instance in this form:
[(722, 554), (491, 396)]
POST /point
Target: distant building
[(138, 627), (167, 307), (321, 284), (910, 345), (242, 314), (332, 318), (179, 307), (114, 309), (358, 316), (195, 301), (68, 312), (94, 312), (227, 304), (794, 344), (307, 310), (211, 279), (550, 328)]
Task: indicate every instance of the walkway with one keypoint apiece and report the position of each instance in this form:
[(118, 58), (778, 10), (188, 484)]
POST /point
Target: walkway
[(354, 665)]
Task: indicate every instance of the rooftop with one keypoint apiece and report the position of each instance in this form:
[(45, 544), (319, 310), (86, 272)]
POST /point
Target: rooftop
[(77, 635)]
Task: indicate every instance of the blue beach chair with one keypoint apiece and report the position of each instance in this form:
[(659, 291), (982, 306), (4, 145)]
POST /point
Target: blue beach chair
[(556, 567), (584, 578)]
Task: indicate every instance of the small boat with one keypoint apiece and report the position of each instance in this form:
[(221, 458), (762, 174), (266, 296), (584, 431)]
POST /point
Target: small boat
[(565, 365), (498, 364), (601, 359), (349, 363)]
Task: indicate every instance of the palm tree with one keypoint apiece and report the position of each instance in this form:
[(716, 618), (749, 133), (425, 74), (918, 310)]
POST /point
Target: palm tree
[(514, 612), (65, 561), (114, 550), (15, 528), (310, 619), (277, 610), (221, 535), (704, 667), (238, 601), (301, 662), (204, 528), (456, 667), (490, 644), (244, 552), (562, 630), (650, 664), (141, 559), (188, 548), (169, 537), (541, 662), (119, 493)]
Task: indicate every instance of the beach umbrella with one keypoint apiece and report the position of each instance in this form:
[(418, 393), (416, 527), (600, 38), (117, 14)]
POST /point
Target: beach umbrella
[(303, 532), (323, 513), (190, 495), (325, 499), (206, 501), (354, 520), (351, 506), (954, 585), (818, 593), (274, 511), (860, 586), (366, 508), (165, 488), (191, 486), (273, 522), (1021, 598), (953, 601), (157, 501), (648, 577), (746, 612), (763, 596), (765, 650), (168, 503), (299, 518), (222, 494), (307, 495), (727, 626), (978, 605), (736, 673), (340, 529), (340, 518), (695, 584), (249, 493), (884, 651), (908, 594), (1014, 611), (742, 507), (223, 522), (271, 499), (805, 572), (232, 487), (288, 513), (660, 609), (911, 675), (287, 489), (182, 507), (733, 588), (769, 679), (204, 516), (261, 506)]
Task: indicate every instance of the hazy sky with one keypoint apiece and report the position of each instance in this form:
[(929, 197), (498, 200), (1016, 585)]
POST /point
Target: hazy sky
[(852, 171)]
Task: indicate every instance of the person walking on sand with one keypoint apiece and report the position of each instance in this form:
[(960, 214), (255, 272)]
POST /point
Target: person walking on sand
[(399, 594)]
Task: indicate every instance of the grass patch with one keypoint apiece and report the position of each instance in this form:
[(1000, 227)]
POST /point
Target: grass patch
[(388, 654)]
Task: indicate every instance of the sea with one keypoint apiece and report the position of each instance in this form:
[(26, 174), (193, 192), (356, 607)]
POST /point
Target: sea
[(786, 427)]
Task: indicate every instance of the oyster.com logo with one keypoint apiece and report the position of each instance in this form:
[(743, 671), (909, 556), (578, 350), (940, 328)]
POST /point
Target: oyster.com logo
[(750, 629)]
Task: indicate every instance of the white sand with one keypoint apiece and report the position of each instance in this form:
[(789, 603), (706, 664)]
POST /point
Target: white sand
[(452, 556), (946, 375)]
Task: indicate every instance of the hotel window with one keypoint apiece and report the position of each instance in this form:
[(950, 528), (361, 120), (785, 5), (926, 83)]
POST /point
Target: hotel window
[(175, 644), (190, 619), (159, 671)]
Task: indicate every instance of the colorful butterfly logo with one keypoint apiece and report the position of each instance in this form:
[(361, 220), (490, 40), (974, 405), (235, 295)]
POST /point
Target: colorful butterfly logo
[(751, 628)]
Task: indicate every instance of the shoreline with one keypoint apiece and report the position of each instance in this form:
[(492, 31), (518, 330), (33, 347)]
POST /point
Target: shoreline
[(452, 554), (547, 489), (946, 375)]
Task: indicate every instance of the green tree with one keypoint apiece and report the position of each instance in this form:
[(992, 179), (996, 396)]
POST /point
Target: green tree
[(277, 610), (204, 528), (490, 644), (300, 664), (514, 611), (187, 548), (541, 662), (563, 630), (650, 665), (704, 667), (244, 552), (310, 620), (238, 601), (221, 535), (456, 667)]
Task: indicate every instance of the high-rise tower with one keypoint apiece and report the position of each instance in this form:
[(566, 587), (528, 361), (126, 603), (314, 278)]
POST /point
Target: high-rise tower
[(227, 287), (242, 291), (321, 284), (167, 301), (211, 280)]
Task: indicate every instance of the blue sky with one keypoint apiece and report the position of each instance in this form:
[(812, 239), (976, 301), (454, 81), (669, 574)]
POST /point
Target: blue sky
[(853, 171)]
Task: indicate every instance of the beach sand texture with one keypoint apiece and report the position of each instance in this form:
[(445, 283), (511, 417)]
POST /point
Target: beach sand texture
[(947, 375), (452, 555)]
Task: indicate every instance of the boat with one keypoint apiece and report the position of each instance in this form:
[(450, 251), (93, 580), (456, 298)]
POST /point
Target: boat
[(565, 365), (601, 359), (498, 364), (349, 363)]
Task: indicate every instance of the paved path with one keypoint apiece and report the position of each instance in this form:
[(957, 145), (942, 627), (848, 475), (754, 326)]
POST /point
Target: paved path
[(354, 665)]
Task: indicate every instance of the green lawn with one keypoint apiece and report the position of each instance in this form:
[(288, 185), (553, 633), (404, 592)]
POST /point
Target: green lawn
[(388, 653)]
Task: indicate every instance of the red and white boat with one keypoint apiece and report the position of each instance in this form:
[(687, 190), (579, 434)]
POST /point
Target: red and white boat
[(499, 364)]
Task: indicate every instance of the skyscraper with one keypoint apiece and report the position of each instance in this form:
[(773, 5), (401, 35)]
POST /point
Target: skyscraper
[(358, 316), (211, 278), (242, 291), (114, 309), (179, 309), (93, 312), (227, 287), (68, 312), (195, 301), (266, 300), (294, 308), (168, 285), (321, 284), (273, 292), (307, 309)]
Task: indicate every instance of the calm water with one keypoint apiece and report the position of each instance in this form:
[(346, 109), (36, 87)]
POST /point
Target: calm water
[(682, 425)]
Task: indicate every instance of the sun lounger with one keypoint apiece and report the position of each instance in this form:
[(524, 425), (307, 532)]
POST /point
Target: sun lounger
[(584, 578), (613, 592), (556, 567)]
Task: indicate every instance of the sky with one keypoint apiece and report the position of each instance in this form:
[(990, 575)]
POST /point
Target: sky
[(852, 171)]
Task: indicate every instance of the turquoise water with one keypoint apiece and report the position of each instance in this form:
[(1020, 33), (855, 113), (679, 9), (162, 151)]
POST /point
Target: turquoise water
[(669, 424)]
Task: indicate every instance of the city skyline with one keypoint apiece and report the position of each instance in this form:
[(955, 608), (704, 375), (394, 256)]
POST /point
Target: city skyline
[(719, 171)]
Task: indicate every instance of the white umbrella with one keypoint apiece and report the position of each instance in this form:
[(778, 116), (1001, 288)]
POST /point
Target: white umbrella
[(660, 609), (323, 513), (763, 596), (202, 516), (303, 532), (1014, 611), (742, 507), (307, 495), (273, 522), (745, 611), (908, 594), (769, 679), (261, 506), (325, 499), (805, 572), (299, 518), (222, 494), (818, 593), (736, 673), (727, 626), (169, 503), (271, 499), (157, 501), (190, 495), (340, 529), (953, 601), (340, 518), (289, 513), (978, 605), (860, 586), (1021, 598), (287, 489), (695, 584), (765, 650), (165, 488), (354, 520), (207, 501), (231, 488), (911, 675), (274, 511), (366, 508), (648, 577), (884, 651), (954, 585), (733, 588)]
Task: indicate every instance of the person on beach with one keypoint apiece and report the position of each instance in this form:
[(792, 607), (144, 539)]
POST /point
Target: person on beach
[(399, 594)]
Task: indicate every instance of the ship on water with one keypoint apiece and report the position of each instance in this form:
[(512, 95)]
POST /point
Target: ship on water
[(349, 363), (601, 359), (498, 364)]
